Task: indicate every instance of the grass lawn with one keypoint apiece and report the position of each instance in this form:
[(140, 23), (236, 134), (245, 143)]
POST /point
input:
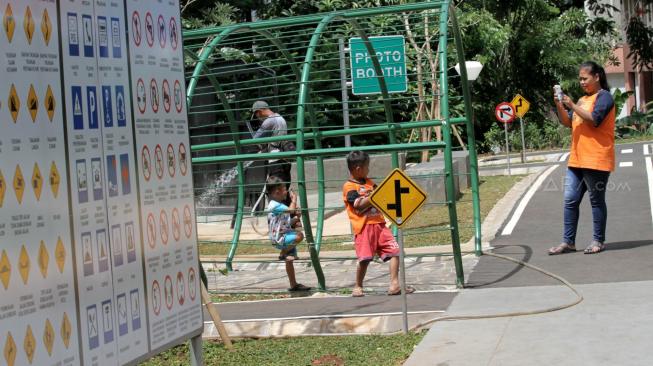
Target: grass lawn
[(428, 227), (331, 351)]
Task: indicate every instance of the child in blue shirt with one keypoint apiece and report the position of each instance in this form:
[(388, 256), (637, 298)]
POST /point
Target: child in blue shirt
[(283, 225)]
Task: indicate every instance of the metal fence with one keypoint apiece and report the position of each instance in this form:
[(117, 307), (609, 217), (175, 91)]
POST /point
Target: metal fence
[(299, 65)]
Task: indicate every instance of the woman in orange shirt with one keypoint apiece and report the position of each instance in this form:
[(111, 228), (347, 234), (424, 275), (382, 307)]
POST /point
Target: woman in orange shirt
[(591, 158)]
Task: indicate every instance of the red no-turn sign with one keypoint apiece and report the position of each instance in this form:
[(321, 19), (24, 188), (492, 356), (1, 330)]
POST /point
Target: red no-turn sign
[(505, 112)]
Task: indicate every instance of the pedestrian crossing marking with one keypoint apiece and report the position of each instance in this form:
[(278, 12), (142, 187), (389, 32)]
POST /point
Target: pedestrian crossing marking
[(29, 344), (46, 26), (14, 103), (60, 255), (9, 23), (54, 180), (3, 188), (37, 181), (5, 270), (50, 103), (65, 330), (48, 336), (19, 184), (24, 264), (28, 25), (44, 259), (32, 103), (10, 350)]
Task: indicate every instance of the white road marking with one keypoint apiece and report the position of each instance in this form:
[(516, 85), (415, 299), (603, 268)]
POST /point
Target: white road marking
[(564, 157), (627, 151), (646, 149), (527, 197), (649, 174), (329, 316), (625, 164)]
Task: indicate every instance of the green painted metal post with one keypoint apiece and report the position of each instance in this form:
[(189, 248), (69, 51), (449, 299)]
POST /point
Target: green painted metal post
[(446, 130), (471, 140)]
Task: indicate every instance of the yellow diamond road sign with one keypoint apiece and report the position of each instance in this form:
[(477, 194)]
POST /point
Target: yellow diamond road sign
[(9, 23), (29, 344), (60, 255), (3, 188), (37, 182), (50, 104), (398, 197), (10, 350), (28, 25), (19, 184), (54, 180), (14, 103), (32, 103), (44, 258), (46, 26), (48, 336), (65, 330), (521, 105), (23, 264), (5, 269)]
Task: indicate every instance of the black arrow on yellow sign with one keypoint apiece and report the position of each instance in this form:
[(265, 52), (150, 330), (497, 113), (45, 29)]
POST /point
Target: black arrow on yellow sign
[(399, 190)]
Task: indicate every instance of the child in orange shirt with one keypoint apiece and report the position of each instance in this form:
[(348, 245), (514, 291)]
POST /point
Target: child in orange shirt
[(371, 235)]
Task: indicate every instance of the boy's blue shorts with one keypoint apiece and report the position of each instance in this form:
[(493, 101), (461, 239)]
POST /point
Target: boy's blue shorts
[(288, 240)]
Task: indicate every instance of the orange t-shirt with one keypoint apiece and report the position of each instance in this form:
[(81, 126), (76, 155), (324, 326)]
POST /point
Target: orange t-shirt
[(592, 147), (353, 191)]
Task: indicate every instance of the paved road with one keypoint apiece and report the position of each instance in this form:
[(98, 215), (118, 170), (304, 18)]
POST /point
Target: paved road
[(611, 326), (629, 234)]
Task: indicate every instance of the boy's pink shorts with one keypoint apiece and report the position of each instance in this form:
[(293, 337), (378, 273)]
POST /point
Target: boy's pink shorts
[(375, 239)]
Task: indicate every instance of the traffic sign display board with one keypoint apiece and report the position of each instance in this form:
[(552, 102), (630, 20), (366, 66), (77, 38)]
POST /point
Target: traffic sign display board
[(398, 197), (521, 105), (505, 112), (391, 54)]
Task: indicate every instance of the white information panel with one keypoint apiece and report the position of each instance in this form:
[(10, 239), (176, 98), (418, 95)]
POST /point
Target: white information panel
[(98, 254), (38, 314), (166, 190)]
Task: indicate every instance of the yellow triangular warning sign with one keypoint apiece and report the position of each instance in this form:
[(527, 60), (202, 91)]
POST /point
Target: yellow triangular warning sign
[(19, 184), (37, 181), (3, 188), (29, 344), (10, 350), (28, 25), (44, 258), (50, 104), (46, 26), (8, 23), (54, 180), (5, 269), (65, 330), (14, 103), (32, 103), (24, 264), (60, 255), (48, 336)]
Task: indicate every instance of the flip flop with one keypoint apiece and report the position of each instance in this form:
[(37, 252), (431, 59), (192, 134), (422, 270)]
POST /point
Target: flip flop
[(357, 292), (409, 290), (594, 248), (562, 249)]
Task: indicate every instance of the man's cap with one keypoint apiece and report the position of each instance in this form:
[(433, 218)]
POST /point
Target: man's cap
[(260, 104)]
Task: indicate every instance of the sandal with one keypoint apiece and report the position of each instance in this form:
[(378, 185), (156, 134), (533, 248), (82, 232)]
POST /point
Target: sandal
[(299, 287), (562, 249), (409, 290), (357, 292), (595, 247)]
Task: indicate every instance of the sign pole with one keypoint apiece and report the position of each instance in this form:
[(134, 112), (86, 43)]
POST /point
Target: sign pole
[(523, 143), (343, 88), (505, 128), (402, 280)]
